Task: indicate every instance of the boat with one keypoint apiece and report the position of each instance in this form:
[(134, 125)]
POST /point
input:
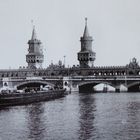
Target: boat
[(8, 98)]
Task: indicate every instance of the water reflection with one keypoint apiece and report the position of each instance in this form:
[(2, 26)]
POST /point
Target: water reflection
[(36, 126), (87, 109), (132, 124), (104, 116)]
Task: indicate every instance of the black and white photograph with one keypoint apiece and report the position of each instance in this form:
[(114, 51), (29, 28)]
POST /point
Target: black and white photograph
[(69, 69)]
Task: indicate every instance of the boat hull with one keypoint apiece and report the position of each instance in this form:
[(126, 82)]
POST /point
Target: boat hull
[(27, 98)]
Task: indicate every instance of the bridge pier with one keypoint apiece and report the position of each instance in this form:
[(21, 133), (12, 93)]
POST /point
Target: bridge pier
[(7, 82), (117, 89)]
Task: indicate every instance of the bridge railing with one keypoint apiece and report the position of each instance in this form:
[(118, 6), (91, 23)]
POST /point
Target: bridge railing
[(106, 77)]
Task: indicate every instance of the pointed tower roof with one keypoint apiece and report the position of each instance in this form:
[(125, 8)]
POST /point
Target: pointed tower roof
[(86, 34), (34, 34)]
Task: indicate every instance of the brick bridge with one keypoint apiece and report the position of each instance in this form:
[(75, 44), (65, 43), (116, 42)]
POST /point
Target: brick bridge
[(83, 83), (82, 78), (87, 83), (30, 82)]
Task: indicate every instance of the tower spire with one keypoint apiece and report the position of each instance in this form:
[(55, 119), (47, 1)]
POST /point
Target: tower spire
[(86, 34), (35, 56), (34, 33), (86, 56), (86, 21)]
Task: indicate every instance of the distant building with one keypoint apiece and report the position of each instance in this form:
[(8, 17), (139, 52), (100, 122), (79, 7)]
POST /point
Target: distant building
[(86, 56), (35, 56)]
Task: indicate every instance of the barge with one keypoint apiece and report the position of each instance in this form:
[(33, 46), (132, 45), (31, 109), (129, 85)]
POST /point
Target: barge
[(10, 99)]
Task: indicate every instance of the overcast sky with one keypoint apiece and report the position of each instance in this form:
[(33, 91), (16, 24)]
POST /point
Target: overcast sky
[(114, 25)]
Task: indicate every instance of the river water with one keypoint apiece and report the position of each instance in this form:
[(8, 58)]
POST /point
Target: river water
[(100, 116)]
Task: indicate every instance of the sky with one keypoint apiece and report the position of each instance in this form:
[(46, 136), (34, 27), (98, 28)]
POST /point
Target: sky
[(113, 24)]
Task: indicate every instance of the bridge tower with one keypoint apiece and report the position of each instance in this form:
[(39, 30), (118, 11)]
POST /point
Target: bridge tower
[(86, 56), (35, 56)]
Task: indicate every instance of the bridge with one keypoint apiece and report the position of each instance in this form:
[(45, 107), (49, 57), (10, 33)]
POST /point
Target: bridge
[(87, 83), (82, 83), (84, 76), (21, 83), (82, 79)]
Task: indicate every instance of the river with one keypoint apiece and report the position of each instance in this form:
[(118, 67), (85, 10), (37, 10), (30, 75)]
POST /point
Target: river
[(99, 116)]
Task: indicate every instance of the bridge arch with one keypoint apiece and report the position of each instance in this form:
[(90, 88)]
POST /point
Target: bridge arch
[(134, 87), (89, 86), (32, 84), (133, 84)]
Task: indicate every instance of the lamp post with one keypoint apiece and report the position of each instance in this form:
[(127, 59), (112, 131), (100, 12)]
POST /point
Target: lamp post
[(64, 60)]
